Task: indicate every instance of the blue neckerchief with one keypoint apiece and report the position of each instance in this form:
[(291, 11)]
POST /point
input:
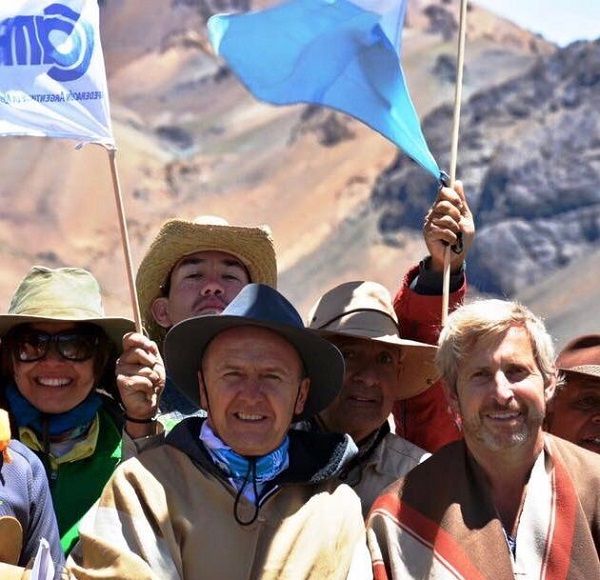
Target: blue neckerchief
[(237, 466), (26, 415)]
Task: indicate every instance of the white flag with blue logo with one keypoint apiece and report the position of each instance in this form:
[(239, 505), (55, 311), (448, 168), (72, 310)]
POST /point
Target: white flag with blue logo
[(52, 76), (340, 53)]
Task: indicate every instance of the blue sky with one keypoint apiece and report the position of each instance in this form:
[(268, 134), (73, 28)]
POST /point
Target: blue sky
[(560, 21)]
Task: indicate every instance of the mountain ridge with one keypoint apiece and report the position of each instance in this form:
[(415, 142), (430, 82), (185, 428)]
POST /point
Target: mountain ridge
[(192, 141)]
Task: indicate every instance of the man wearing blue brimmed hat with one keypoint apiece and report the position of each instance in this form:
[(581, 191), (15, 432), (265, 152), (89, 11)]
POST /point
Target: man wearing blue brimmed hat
[(236, 494)]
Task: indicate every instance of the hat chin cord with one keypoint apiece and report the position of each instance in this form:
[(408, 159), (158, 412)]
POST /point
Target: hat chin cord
[(250, 473), (238, 519)]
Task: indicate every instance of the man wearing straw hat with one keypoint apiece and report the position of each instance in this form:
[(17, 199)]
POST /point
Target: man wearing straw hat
[(380, 369), (236, 495), (194, 268), (574, 412)]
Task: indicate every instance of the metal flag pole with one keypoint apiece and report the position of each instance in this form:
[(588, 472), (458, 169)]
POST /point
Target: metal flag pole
[(125, 240), (462, 29)]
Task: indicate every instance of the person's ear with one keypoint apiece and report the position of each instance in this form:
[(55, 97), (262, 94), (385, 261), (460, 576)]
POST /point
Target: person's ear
[(550, 388), (302, 396), (160, 311), (451, 397), (453, 402), (202, 391)]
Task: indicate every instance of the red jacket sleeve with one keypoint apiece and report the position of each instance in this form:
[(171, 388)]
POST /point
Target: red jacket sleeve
[(425, 419)]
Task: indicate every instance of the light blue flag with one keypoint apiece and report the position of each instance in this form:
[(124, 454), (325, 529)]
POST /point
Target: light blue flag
[(340, 53)]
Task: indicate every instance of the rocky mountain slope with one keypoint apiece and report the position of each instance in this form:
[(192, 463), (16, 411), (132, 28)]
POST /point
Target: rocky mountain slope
[(192, 141), (568, 299), (530, 159)]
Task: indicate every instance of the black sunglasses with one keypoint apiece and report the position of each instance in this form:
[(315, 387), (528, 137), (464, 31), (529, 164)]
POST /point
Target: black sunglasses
[(74, 345)]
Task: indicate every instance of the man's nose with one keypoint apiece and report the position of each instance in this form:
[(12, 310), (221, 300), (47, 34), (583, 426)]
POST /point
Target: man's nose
[(503, 392), (252, 390), (212, 285), (367, 375)]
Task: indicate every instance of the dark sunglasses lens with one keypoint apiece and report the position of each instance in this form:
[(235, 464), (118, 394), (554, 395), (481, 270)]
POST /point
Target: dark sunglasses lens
[(77, 347), (30, 347)]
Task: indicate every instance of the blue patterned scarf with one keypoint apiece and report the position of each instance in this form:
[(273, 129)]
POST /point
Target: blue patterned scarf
[(237, 466), (26, 415)]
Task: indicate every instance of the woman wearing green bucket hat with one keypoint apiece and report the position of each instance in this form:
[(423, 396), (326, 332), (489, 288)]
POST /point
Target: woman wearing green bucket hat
[(58, 353)]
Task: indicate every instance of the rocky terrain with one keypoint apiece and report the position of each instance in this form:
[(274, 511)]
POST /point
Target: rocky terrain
[(530, 160), (192, 141), (568, 299)]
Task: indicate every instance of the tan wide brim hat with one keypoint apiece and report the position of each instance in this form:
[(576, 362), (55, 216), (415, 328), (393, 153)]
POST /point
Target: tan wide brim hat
[(364, 310), (581, 356), (252, 246), (62, 295)]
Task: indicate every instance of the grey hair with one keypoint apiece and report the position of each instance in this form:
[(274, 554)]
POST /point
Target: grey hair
[(491, 319)]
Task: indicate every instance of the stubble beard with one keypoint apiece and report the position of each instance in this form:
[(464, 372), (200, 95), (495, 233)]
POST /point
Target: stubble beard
[(475, 428)]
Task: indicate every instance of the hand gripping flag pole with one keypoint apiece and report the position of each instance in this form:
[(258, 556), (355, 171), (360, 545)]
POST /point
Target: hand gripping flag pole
[(53, 84), (454, 147)]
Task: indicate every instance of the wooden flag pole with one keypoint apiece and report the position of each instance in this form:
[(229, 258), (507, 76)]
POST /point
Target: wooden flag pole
[(462, 30), (125, 240)]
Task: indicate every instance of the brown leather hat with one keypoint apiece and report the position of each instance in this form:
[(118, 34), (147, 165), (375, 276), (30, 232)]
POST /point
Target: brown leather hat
[(581, 356)]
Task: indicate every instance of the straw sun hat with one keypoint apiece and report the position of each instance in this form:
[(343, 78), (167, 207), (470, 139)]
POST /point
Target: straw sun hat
[(64, 294), (252, 246), (364, 310)]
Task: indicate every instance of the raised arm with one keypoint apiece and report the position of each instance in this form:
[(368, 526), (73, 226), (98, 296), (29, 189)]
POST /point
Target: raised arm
[(424, 420)]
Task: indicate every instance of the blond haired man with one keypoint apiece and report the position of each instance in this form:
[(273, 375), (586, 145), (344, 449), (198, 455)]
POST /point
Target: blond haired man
[(509, 500)]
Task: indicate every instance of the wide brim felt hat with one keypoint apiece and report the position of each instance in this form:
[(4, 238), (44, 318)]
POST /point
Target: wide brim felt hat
[(363, 310), (177, 238), (62, 295), (263, 307), (581, 356)]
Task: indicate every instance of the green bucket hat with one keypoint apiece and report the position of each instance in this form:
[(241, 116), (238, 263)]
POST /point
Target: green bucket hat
[(62, 295)]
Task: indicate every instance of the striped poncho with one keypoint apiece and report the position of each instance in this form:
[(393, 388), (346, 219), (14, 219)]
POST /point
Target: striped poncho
[(440, 522)]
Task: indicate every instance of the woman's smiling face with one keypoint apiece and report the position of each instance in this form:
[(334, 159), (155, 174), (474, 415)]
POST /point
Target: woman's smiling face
[(54, 384)]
